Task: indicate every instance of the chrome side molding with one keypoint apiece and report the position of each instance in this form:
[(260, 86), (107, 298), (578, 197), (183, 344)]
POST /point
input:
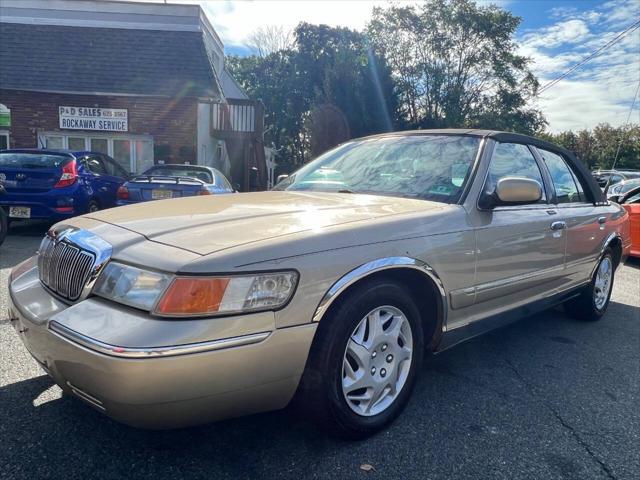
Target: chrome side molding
[(375, 266), (152, 352)]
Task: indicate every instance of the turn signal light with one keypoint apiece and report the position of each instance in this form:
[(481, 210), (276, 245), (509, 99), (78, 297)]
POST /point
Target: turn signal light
[(204, 191), (193, 296), (123, 193), (69, 175)]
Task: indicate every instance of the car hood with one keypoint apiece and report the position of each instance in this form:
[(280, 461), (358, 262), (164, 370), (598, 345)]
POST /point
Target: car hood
[(207, 224)]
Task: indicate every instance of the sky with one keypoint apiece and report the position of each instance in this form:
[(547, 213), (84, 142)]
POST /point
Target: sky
[(554, 34)]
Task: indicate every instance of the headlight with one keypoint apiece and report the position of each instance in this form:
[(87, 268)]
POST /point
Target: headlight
[(178, 296), (207, 296), (130, 285)]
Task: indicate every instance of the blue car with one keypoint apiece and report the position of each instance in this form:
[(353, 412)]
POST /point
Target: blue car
[(173, 181), (57, 184)]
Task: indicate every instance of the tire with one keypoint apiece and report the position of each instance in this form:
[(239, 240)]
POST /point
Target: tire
[(594, 299), (4, 225), (323, 391), (93, 206)]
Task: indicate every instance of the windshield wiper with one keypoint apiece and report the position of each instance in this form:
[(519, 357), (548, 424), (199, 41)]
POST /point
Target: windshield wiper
[(345, 190)]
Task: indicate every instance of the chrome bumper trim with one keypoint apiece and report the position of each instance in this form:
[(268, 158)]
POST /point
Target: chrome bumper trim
[(153, 352)]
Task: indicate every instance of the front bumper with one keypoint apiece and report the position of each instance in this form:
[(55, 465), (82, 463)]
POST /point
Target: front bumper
[(154, 373)]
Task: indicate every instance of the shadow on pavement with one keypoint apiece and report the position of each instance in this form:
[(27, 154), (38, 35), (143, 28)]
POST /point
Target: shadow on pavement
[(471, 407)]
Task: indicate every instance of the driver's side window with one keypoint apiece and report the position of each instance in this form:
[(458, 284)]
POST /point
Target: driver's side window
[(513, 160)]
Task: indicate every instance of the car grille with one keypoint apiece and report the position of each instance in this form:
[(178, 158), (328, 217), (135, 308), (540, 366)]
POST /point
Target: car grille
[(64, 268)]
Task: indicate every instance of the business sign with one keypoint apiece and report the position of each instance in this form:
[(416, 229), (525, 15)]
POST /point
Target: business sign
[(93, 118)]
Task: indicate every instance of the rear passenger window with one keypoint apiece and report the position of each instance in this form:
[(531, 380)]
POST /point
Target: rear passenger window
[(513, 160), (94, 164), (568, 189)]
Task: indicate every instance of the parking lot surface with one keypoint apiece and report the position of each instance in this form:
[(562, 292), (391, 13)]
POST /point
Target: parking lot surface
[(548, 397)]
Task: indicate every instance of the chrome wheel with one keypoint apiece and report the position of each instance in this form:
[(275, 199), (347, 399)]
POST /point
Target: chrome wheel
[(603, 283), (377, 361)]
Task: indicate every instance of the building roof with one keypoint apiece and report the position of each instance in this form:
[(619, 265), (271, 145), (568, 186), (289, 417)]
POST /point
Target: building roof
[(230, 86), (57, 58)]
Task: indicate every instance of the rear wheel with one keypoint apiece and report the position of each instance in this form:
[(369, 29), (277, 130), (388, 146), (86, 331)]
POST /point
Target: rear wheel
[(593, 301), (93, 206), (364, 362)]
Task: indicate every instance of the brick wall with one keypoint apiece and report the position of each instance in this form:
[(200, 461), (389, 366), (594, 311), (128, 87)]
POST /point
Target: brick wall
[(170, 121)]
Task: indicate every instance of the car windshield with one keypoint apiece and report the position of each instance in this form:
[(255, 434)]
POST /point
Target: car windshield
[(31, 160), (198, 173), (429, 167)]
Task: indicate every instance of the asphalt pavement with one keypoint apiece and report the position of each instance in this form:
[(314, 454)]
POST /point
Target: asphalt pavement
[(548, 397)]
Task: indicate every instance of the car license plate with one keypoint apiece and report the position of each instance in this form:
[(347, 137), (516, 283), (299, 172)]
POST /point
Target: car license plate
[(20, 212), (158, 194)]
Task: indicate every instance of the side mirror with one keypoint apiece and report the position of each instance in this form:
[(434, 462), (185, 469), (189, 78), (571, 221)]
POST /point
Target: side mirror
[(512, 191), (279, 178)]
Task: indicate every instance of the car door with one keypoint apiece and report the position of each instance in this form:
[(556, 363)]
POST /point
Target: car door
[(520, 248), (585, 222), (115, 176), (95, 176)]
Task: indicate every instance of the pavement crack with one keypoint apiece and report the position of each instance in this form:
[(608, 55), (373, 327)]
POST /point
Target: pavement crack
[(566, 425)]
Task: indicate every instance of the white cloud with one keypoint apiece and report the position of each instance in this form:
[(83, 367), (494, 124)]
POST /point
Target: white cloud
[(236, 20), (565, 32), (601, 90)]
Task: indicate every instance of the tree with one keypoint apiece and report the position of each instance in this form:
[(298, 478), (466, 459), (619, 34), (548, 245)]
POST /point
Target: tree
[(270, 39), (597, 148), (455, 64), (330, 73)]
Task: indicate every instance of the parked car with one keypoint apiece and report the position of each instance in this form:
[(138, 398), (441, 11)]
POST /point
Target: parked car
[(631, 203), (617, 191), (57, 184), (607, 178), (173, 181), (226, 305)]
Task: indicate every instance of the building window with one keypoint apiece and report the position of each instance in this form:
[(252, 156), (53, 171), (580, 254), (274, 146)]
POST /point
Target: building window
[(134, 153), (4, 139)]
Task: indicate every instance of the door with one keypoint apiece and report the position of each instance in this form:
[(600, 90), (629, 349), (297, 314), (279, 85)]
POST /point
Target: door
[(520, 249), (585, 221), (96, 173)]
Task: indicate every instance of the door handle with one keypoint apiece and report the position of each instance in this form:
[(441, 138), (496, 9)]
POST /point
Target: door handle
[(558, 225)]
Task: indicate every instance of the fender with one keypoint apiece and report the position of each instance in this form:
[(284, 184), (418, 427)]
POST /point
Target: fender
[(374, 266)]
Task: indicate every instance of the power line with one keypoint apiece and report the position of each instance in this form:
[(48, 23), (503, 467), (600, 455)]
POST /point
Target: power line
[(615, 159), (550, 84)]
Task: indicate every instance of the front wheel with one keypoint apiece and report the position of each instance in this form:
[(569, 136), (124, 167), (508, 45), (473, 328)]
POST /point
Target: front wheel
[(364, 362), (593, 301)]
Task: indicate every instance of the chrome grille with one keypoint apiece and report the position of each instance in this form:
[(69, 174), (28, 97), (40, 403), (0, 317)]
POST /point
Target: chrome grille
[(64, 268)]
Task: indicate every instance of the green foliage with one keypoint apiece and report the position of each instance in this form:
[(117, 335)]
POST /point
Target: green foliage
[(455, 64), (330, 72), (597, 147)]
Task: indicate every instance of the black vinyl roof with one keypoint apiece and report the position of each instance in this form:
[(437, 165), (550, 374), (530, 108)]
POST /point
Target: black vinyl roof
[(104, 60)]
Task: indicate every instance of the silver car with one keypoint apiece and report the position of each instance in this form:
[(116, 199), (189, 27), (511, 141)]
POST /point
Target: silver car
[(328, 290)]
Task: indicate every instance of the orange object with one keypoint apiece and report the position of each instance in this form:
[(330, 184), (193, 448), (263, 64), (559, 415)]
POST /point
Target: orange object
[(193, 296), (633, 209)]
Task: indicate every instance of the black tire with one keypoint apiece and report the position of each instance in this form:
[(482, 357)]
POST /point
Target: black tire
[(93, 206), (584, 307), (320, 393), (4, 225)]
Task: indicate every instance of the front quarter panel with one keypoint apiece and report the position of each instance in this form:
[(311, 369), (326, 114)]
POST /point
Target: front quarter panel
[(444, 241)]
